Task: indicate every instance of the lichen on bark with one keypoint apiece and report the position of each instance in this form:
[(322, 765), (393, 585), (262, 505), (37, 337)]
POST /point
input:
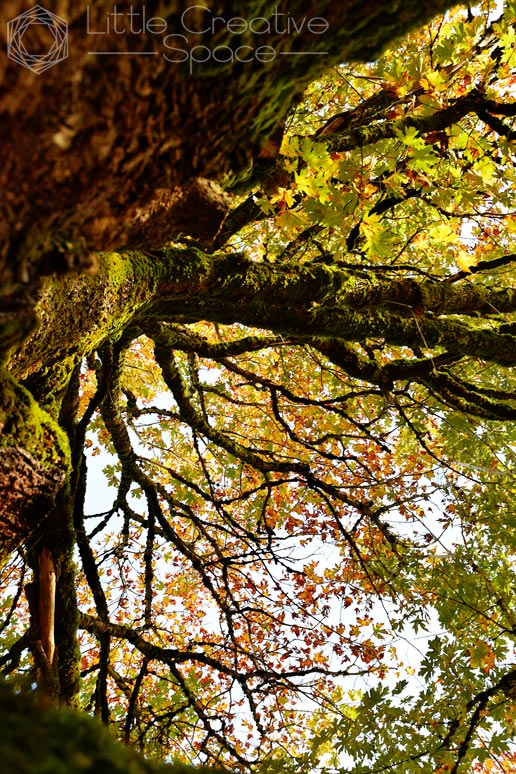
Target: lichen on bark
[(34, 462)]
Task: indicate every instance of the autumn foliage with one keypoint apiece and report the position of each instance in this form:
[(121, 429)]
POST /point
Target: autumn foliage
[(294, 492)]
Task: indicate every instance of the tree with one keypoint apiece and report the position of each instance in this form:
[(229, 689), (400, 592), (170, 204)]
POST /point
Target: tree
[(503, 764), (306, 396)]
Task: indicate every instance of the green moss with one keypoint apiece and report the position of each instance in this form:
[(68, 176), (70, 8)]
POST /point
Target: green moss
[(34, 740), (23, 423), (78, 313)]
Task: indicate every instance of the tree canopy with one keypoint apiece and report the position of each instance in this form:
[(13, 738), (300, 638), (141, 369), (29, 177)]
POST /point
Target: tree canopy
[(272, 521)]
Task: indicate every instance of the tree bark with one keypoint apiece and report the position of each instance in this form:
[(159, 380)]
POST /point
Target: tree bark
[(307, 301), (102, 151)]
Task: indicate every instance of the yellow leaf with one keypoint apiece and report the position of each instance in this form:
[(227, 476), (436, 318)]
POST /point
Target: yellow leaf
[(365, 191), (465, 261), (285, 195), (432, 80), (370, 224), (442, 232)]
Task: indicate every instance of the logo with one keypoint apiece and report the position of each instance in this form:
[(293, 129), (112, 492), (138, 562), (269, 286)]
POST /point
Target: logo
[(37, 39), (257, 39)]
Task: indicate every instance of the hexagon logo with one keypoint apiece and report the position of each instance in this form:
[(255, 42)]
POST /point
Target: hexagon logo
[(37, 39)]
